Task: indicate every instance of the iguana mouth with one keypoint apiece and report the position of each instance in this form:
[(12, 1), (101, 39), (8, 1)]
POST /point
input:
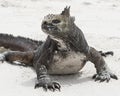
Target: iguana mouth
[(49, 27)]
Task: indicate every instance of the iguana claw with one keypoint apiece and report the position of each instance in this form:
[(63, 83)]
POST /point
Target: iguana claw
[(51, 86), (2, 58), (104, 77)]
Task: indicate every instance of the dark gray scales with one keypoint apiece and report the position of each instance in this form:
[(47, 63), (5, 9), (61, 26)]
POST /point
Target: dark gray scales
[(65, 51)]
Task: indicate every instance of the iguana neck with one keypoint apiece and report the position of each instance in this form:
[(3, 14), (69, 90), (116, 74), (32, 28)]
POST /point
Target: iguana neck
[(76, 40)]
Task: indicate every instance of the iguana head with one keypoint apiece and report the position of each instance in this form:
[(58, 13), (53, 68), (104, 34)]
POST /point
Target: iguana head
[(58, 24)]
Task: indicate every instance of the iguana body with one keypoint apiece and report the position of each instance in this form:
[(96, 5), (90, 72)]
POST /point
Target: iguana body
[(65, 51)]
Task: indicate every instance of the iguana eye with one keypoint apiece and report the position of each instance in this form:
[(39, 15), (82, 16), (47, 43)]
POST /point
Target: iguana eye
[(56, 21)]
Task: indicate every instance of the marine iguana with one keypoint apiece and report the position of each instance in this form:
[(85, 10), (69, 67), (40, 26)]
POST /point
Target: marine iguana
[(65, 51)]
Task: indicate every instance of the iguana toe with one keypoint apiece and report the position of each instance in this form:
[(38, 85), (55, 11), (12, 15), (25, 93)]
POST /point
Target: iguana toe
[(2, 58), (52, 86), (105, 76)]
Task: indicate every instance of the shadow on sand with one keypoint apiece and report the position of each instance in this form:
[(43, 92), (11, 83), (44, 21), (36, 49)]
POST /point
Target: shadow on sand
[(68, 80)]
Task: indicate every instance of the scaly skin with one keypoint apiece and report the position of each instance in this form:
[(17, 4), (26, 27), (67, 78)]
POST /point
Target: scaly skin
[(58, 27), (18, 43)]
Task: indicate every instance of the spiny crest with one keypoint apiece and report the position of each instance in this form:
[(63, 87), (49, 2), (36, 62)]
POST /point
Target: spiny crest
[(49, 16), (66, 11)]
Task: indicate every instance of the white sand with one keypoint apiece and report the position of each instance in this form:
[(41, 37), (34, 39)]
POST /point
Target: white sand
[(100, 22)]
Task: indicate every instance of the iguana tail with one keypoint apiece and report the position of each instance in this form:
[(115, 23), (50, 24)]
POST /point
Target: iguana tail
[(18, 43)]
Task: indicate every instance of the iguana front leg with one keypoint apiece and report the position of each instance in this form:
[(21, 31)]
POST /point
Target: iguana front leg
[(103, 72), (45, 81), (42, 60)]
